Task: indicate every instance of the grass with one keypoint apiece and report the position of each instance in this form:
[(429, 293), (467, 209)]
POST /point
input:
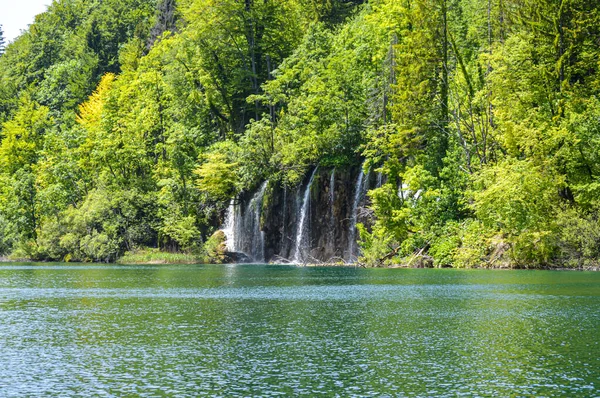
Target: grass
[(155, 256)]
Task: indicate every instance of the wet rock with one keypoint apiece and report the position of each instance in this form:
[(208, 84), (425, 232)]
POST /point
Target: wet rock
[(327, 220), (236, 258)]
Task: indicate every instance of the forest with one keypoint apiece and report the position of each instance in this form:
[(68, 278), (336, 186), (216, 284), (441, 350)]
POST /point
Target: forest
[(130, 125)]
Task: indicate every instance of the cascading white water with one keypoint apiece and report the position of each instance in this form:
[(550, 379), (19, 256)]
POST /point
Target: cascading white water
[(258, 236), (284, 218), (243, 231), (230, 226), (301, 232), (362, 185), (379, 179), (263, 259)]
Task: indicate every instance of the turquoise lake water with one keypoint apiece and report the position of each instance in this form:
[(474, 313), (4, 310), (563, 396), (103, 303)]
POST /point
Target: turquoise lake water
[(255, 330)]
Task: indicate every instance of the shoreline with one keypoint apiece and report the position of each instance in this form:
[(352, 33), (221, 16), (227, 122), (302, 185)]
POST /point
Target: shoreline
[(5, 260), (504, 268)]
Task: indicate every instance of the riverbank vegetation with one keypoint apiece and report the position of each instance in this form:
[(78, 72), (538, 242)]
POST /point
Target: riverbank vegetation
[(131, 124)]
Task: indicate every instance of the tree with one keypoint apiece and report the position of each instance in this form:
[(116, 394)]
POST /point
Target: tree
[(2, 41), (165, 21)]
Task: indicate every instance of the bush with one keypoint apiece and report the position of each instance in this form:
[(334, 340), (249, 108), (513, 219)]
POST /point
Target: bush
[(214, 248), (183, 231), (444, 247), (376, 246), (579, 244), (520, 200), (476, 247)]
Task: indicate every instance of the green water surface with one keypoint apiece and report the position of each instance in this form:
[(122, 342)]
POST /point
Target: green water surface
[(248, 330)]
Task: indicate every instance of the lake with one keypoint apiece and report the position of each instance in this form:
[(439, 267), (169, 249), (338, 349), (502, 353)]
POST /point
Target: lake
[(256, 330)]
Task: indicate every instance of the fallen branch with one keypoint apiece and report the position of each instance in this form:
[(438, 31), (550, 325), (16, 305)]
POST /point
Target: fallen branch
[(389, 255), (420, 253)]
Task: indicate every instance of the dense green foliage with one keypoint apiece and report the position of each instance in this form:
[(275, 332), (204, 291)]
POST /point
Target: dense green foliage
[(130, 124)]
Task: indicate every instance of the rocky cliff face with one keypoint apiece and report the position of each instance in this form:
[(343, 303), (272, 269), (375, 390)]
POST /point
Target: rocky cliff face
[(312, 223)]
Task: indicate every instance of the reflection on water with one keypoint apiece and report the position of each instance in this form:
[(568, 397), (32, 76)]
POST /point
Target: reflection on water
[(274, 330)]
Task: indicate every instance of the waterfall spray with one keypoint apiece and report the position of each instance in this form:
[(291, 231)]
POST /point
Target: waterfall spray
[(301, 233), (284, 220), (258, 236), (362, 185), (229, 229)]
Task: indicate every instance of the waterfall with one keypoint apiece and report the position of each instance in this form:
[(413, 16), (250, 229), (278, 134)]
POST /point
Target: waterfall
[(263, 259), (243, 229), (284, 220), (229, 229), (301, 232), (258, 236), (379, 179), (362, 185)]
